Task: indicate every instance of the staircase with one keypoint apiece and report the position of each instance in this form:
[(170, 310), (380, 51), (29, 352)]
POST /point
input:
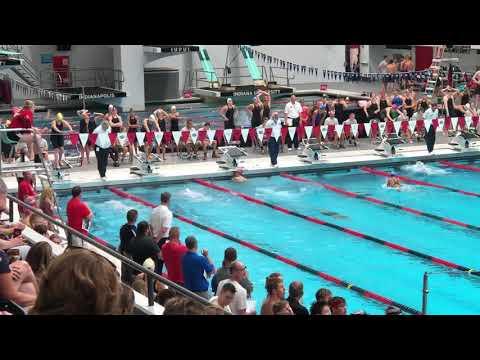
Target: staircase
[(434, 82), (25, 69)]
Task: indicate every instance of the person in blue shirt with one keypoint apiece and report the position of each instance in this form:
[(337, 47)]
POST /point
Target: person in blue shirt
[(194, 266)]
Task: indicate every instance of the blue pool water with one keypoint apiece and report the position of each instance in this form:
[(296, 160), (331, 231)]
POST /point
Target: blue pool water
[(376, 268)]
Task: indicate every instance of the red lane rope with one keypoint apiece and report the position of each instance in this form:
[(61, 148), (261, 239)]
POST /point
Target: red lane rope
[(460, 166), (340, 228), (285, 260), (417, 182), (381, 202)]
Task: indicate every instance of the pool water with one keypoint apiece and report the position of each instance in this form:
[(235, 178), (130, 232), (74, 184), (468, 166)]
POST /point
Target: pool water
[(382, 270)]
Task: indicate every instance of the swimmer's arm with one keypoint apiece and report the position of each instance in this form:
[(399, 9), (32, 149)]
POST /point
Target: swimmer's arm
[(65, 122)]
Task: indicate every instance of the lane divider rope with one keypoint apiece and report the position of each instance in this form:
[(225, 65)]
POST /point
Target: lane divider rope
[(340, 228), (381, 202), (418, 182), (305, 268), (460, 166)]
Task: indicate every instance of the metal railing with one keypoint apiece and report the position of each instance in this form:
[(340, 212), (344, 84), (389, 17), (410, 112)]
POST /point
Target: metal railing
[(14, 48), (86, 77), (150, 275)]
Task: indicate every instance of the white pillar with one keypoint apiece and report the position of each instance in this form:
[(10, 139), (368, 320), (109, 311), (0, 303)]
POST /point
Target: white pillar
[(364, 58), (130, 59)]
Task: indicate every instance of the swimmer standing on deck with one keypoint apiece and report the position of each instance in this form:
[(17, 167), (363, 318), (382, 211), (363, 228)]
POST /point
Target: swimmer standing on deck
[(238, 177), (394, 182)]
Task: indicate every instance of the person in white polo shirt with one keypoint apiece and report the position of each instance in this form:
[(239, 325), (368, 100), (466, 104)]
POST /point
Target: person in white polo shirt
[(103, 147), (292, 118), (161, 222)]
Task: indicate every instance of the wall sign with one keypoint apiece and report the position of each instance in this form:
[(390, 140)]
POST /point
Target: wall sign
[(46, 58)]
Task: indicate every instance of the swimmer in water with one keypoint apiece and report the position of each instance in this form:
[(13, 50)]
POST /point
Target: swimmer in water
[(393, 181), (238, 177)]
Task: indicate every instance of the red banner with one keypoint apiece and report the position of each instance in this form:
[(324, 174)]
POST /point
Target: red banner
[(461, 122), (284, 133), (475, 120), (404, 126), (374, 129), (185, 135), (346, 129), (113, 137), (236, 134), (420, 125), (389, 127), (149, 136), (267, 134), (316, 132), (167, 137), (202, 134), (92, 138), (219, 136), (131, 137), (300, 132), (74, 138)]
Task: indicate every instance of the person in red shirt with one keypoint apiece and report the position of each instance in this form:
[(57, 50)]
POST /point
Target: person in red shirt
[(78, 211), (23, 119), (25, 189), (171, 254)]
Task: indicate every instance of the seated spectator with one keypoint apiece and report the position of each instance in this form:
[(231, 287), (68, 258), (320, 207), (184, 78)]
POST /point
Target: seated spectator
[(276, 293), (224, 272), (225, 297), (139, 286), (295, 294), (172, 253), (282, 307), (338, 306), (331, 121), (39, 257), (127, 300), (79, 282), (239, 304), (194, 266), (164, 295), (47, 202), (142, 246), (26, 213), (181, 305), (42, 229), (393, 310), (17, 282), (320, 308), (25, 189)]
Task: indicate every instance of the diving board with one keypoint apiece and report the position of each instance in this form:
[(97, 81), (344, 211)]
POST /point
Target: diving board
[(207, 66), (253, 70)]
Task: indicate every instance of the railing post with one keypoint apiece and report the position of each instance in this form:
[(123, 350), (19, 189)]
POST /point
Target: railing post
[(425, 293), (10, 210), (150, 289)]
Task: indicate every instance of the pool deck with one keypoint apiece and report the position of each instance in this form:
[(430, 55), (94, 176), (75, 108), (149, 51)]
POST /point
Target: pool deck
[(256, 164)]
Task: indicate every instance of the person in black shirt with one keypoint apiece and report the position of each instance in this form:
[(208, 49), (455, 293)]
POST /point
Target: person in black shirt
[(142, 246), (127, 232), (295, 294)]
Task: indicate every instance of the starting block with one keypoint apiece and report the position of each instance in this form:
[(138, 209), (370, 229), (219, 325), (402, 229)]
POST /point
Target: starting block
[(312, 152), (465, 141), (389, 146), (231, 157)]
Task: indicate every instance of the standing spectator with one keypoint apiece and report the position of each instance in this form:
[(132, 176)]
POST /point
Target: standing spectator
[(338, 306), (276, 293), (25, 189), (23, 119), (292, 112), (225, 297), (39, 257), (295, 294), (161, 222), (79, 282), (239, 303), (172, 253), (103, 147), (78, 213), (128, 232), (194, 266), (382, 66), (143, 246), (320, 308), (225, 272), (282, 308)]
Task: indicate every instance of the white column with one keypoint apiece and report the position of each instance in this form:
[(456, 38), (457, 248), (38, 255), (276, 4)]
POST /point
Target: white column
[(364, 58), (130, 59)]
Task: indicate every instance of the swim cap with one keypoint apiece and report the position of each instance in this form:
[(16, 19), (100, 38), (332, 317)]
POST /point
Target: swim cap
[(59, 116), (149, 264), (229, 99)]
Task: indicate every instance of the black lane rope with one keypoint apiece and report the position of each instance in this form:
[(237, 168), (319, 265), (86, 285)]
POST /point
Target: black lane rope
[(418, 182), (340, 228), (305, 268), (381, 202)]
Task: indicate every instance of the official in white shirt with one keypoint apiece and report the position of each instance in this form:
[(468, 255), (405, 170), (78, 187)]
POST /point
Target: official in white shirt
[(103, 147), (273, 145), (292, 118), (161, 222)]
